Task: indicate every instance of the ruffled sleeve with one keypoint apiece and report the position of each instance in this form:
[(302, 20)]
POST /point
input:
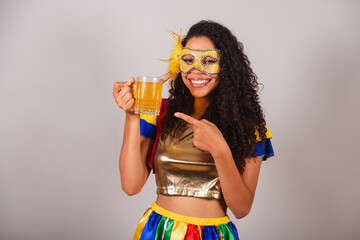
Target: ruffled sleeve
[(264, 149), (148, 126)]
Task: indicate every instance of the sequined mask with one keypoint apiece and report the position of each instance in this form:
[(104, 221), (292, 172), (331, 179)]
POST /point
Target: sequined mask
[(205, 60)]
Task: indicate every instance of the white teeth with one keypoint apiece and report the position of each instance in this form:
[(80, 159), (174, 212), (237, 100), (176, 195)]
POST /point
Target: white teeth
[(199, 82)]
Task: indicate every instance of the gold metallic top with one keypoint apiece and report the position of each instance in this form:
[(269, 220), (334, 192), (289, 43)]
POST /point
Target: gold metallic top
[(182, 169)]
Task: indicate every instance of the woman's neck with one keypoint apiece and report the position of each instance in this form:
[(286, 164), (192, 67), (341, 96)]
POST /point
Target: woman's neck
[(200, 106)]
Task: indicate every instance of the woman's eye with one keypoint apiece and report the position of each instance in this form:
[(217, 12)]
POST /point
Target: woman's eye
[(188, 60), (209, 60)]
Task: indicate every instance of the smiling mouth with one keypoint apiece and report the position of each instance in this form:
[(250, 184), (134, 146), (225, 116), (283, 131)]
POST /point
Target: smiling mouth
[(198, 82)]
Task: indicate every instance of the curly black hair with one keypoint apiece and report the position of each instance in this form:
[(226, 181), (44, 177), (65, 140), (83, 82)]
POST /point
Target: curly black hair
[(235, 108)]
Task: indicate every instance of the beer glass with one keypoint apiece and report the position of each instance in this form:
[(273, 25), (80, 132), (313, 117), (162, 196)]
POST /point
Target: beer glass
[(147, 93)]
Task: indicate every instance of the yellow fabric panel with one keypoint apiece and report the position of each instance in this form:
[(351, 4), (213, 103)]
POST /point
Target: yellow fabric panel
[(191, 220), (268, 134), (141, 225), (178, 231), (149, 118)]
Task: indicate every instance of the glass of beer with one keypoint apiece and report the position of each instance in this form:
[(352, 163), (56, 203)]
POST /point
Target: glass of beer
[(147, 93)]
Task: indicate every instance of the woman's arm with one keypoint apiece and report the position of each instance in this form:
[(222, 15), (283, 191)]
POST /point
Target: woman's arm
[(135, 149), (238, 189)]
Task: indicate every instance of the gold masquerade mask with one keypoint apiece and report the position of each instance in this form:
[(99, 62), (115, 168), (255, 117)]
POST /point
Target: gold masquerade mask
[(184, 59), (205, 60)]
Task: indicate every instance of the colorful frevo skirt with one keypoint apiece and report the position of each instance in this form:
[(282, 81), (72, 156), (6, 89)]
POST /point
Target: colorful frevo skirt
[(158, 223)]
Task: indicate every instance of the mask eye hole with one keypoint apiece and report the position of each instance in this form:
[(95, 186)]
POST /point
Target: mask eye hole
[(208, 60), (188, 59)]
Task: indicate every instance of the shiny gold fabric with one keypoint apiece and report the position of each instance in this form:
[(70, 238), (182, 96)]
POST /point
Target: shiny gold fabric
[(182, 169)]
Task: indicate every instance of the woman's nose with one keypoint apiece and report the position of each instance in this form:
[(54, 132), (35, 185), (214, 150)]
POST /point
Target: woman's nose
[(195, 71)]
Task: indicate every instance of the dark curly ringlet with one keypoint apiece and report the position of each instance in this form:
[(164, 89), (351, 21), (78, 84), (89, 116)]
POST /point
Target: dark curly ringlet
[(235, 107)]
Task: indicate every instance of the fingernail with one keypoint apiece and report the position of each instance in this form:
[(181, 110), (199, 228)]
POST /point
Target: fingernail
[(176, 114)]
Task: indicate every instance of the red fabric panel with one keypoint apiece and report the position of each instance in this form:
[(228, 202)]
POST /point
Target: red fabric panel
[(192, 232)]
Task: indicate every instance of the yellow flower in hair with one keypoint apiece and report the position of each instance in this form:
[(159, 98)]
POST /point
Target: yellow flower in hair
[(174, 59)]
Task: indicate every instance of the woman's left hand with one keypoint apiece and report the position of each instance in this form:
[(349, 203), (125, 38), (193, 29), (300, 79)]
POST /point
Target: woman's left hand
[(207, 136)]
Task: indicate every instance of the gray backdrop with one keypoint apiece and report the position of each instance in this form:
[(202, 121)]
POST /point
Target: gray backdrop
[(61, 132)]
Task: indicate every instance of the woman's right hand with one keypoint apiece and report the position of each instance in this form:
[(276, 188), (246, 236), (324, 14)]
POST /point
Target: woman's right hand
[(123, 95)]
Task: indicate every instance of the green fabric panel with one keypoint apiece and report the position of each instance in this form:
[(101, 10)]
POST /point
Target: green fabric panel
[(226, 232), (160, 228), (168, 229)]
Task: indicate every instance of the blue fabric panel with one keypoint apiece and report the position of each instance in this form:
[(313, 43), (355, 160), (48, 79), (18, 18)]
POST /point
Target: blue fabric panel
[(210, 233), (147, 129), (149, 230), (265, 150)]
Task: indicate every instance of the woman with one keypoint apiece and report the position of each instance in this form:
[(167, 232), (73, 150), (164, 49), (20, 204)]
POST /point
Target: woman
[(208, 152)]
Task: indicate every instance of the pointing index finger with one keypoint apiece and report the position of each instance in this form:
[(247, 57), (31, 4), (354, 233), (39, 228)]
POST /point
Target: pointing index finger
[(186, 118)]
